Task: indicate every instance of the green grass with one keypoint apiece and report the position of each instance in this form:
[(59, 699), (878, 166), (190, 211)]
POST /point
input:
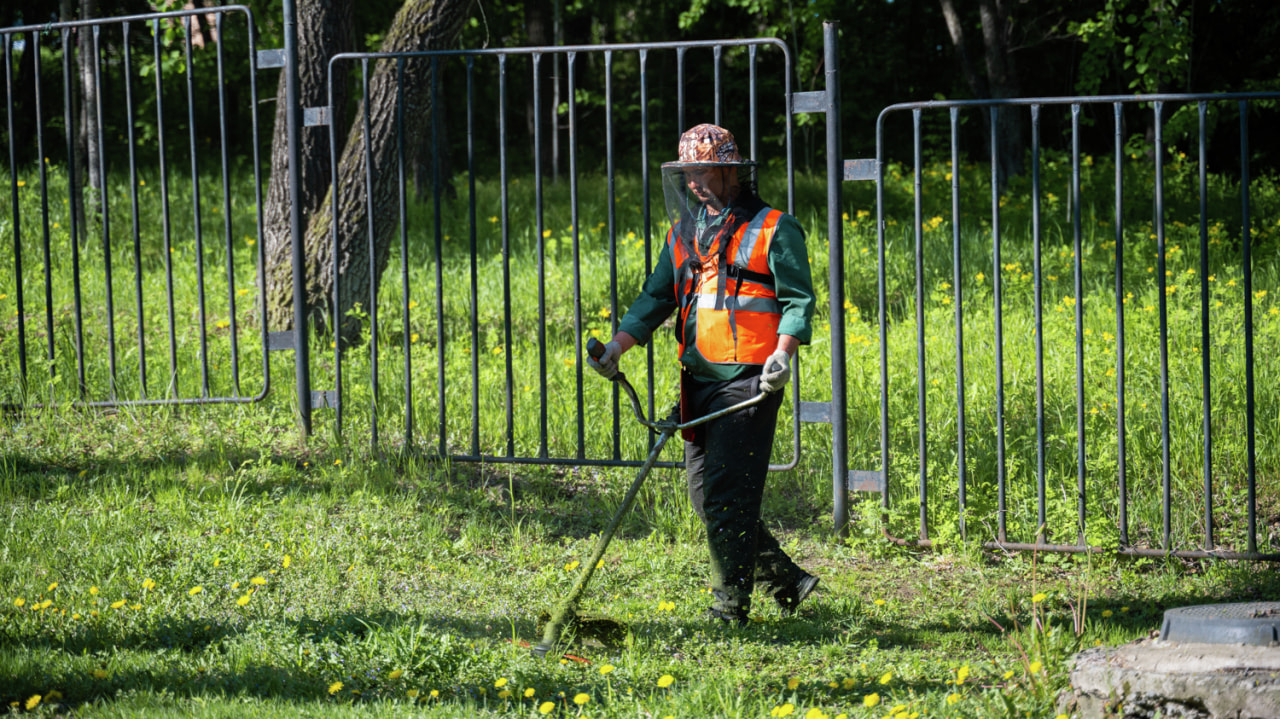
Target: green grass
[(401, 562)]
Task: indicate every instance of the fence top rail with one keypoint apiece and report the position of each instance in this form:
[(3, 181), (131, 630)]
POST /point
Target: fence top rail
[(1078, 100), (51, 26), (555, 49)]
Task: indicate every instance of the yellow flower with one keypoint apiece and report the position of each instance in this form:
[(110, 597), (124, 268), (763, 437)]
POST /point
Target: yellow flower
[(1008, 674), (222, 324), (546, 234), (952, 699), (258, 581), (1039, 597), (962, 674), (235, 585), (879, 602), (412, 693), (1259, 294), (979, 277), (100, 674), (1106, 613), (871, 700), (581, 699), (815, 713), (665, 681), (782, 711), (241, 292), (148, 584), (792, 683), (847, 683), (528, 693), (607, 668), (1062, 716), (501, 682), (546, 708), (435, 693), (1036, 667), (19, 602), (335, 687), (243, 600), (34, 701), (833, 684), (886, 677), (52, 587), (413, 338), (136, 606), (395, 674), (571, 566), (286, 561), (666, 606), (493, 219), (117, 605), (504, 694), (195, 590)]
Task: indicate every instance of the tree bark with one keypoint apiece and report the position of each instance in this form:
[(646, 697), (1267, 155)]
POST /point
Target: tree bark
[(419, 26), (324, 29), (1002, 78), (538, 24)]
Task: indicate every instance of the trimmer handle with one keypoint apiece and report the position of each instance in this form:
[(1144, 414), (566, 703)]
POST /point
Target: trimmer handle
[(595, 348)]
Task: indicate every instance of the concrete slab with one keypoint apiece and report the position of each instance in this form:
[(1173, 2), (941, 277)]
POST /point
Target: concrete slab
[(1150, 678)]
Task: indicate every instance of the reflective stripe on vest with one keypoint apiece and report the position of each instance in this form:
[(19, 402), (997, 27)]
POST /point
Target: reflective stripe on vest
[(738, 325)]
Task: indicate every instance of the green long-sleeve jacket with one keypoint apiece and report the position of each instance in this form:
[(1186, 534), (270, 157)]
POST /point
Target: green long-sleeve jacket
[(789, 264)]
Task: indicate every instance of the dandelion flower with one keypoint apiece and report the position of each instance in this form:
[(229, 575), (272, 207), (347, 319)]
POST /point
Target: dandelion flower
[(244, 599), (833, 684), (335, 687), (581, 699), (528, 693), (879, 602), (19, 602), (571, 566), (504, 694), (886, 677), (952, 699), (1107, 613), (782, 711), (1008, 674), (286, 562), (195, 590), (235, 585), (665, 681), (435, 693), (847, 683), (792, 683), (395, 674), (412, 693), (93, 590), (117, 605), (1039, 597), (962, 673), (52, 587), (1036, 667), (33, 702), (502, 682), (258, 581), (546, 708), (135, 606), (607, 668), (871, 700)]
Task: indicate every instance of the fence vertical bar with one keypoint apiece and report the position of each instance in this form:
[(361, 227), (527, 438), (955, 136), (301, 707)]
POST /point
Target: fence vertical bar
[(648, 250), (835, 233), (1162, 291), (612, 217), (336, 193), (752, 103), (74, 205), (1037, 236), (541, 261), (571, 62), (922, 418), (717, 53), (957, 279), (232, 323), (441, 413), (1001, 519), (202, 318), (1121, 471), (17, 215), (165, 219), (259, 249), (1077, 242), (1205, 347), (104, 211), (34, 39), (293, 121), (133, 203), (475, 270), (1246, 250), (506, 255), (402, 202), (371, 230), (680, 126)]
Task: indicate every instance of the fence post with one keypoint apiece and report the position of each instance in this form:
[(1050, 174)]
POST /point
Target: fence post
[(293, 120), (835, 237)]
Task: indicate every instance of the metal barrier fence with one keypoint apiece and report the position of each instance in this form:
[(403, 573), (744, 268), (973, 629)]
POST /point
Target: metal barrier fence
[(66, 301), (1224, 310), (487, 347)]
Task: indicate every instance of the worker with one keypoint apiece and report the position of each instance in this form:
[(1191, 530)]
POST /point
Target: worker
[(736, 272)]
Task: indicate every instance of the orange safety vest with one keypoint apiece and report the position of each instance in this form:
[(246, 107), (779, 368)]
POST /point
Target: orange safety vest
[(737, 310)]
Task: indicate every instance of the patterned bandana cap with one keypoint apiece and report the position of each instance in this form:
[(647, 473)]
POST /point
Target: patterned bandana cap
[(708, 143)]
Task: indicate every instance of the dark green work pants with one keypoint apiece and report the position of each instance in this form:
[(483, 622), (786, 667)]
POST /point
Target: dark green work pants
[(726, 463)]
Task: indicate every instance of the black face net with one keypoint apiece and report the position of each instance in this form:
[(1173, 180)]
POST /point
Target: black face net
[(701, 191)]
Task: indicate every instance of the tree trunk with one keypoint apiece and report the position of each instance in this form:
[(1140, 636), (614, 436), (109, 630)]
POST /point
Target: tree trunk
[(420, 25), (538, 23), (324, 29), (1003, 80)]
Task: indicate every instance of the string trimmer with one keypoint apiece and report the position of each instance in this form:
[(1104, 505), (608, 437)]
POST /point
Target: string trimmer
[(566, 613)]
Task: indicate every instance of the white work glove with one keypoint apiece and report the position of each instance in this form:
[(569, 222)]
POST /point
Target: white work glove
[(777, 370), (607, 365)]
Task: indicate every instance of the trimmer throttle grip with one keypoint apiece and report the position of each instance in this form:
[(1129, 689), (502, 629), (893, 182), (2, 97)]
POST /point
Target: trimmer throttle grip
[(595, 348)]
